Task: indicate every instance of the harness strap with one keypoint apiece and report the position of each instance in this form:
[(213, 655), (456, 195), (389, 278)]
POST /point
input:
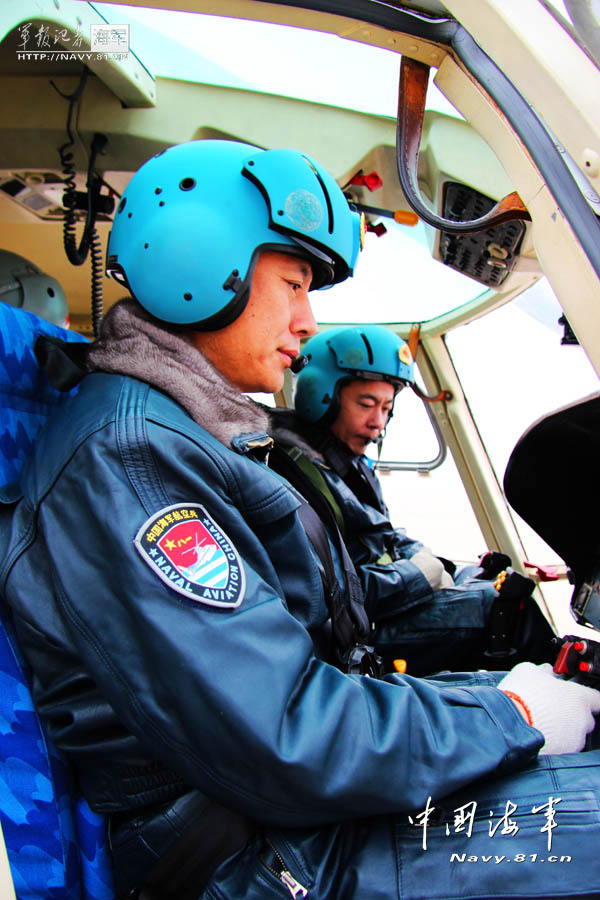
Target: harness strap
[(350, 623), (309, 468), (62, 361), (343, 629)]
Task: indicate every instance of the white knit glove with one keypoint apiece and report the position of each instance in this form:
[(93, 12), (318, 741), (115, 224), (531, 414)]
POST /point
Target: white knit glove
[(562, 710), (432, 568), (447, 580)]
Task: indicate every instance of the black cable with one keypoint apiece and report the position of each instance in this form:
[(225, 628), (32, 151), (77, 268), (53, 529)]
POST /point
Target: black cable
[(97, 273), (90, 239), (76, 255)]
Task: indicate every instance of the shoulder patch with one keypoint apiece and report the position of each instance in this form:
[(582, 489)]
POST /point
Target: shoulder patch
[(192, 555)]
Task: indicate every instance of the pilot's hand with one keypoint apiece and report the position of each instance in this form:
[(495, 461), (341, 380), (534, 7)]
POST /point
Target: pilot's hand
[(432, 568), (562, 710)]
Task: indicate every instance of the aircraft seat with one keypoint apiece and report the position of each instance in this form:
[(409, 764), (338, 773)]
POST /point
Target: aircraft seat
[(56, 845)]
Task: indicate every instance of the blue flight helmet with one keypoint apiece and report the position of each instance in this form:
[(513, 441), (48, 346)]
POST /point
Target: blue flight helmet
[(338, 355), (192, 221)]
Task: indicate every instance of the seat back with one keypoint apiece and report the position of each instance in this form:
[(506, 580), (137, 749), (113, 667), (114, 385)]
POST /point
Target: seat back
[(549, 481), (56, 845)]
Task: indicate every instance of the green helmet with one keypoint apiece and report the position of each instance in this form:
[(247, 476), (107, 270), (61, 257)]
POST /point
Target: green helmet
[(23, 285), (340, 354)]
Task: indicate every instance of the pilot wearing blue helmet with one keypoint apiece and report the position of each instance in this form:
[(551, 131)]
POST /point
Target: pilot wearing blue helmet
[(187, 655), (424, 612)]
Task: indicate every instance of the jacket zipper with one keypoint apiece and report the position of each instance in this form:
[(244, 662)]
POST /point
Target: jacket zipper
[(285, 876)]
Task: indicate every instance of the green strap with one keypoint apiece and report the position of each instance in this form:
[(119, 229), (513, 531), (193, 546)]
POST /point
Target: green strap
[(319, 482)]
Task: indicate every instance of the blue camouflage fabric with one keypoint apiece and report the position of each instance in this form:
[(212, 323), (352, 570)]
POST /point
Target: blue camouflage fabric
[(27, 398), (56, 845), (92, 838)]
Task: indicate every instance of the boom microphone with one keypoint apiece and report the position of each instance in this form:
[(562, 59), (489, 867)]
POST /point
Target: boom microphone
[(298, 363)]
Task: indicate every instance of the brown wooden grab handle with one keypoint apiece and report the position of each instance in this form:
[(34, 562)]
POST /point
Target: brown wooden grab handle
[(414, 78)]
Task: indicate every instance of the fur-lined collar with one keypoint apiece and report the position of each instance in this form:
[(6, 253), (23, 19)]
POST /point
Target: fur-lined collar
[(315, 440), (131, 343), (287, 429)]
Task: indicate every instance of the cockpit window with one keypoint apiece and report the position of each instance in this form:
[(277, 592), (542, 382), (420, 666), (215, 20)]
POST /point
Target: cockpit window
[(581, 19), (396, 280), (260, 56)]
